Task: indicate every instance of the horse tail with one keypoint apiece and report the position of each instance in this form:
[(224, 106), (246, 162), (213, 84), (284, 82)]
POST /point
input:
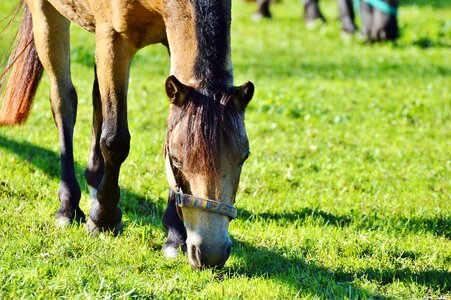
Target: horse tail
[(20, 78)]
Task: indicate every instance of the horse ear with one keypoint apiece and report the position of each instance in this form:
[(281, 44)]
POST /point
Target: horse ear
[(244, 95), (175, 90)]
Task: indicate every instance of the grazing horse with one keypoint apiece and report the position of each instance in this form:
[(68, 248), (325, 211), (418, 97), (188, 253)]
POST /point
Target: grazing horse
[(379, 17), (206, 142)]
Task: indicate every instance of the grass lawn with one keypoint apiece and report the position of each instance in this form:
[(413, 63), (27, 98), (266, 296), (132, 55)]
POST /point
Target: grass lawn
[(347, 193)]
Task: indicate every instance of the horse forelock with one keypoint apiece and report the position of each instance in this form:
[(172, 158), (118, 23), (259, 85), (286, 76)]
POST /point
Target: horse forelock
[(206, 126)]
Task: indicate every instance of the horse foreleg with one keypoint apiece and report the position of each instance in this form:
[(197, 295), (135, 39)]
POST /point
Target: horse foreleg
[(366, 14), (95, 168), (347, 15), (113, 57), (51, 35), (263, 9), (176, 230), (312, 12)]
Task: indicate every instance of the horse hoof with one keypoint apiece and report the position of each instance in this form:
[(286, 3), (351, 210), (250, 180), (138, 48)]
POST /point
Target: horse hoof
[(258, 16), (63, 221), (94, 230), (170, 252), (66, 219), (313, 24)]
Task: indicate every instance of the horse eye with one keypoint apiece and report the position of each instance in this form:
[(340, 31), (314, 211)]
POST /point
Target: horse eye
[(175, 161)]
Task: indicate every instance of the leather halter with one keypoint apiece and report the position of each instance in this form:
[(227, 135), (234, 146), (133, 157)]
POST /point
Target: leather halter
[(182, 199)]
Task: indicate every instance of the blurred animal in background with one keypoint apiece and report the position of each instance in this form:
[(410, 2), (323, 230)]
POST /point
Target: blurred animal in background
[(379, 17)]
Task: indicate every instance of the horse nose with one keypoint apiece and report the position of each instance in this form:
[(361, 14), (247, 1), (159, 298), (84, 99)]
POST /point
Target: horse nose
[(206, 256)]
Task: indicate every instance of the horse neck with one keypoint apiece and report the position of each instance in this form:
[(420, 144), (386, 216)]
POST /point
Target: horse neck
[(198, 34)]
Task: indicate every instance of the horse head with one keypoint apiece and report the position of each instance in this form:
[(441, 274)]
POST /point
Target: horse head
[(206, 146)]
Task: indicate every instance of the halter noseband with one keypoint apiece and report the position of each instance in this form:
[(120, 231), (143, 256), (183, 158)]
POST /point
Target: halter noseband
[(182, 199), (204, 204)]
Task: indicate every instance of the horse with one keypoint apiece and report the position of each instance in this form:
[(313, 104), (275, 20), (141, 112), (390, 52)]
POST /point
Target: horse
[(379, 17), (206, 141)]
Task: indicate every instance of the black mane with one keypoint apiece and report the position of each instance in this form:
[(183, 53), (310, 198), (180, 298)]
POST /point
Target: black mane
[(213, 20)]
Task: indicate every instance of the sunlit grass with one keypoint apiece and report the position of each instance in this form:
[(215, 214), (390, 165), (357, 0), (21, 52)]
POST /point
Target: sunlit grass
[(346, 194)]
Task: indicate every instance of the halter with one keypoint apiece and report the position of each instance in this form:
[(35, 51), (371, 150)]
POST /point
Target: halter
[(380, 5), (182, 199)]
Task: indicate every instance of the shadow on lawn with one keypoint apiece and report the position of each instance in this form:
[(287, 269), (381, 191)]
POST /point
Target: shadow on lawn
[(295, 272), (437, 225), (315, 279), (135, 207)]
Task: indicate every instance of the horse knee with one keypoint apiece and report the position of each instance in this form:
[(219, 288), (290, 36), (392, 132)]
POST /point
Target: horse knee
[(115, 146)]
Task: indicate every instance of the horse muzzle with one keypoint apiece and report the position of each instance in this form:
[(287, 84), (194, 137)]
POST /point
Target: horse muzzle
[(204, 255)]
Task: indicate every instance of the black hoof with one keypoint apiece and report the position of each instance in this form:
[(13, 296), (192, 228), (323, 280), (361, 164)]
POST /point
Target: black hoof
[(349, 27), (64, 218), (94, 230), (259, 16), (103, 219)]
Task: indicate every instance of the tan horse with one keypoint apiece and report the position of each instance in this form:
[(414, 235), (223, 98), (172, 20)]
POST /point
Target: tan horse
[(206, 142)]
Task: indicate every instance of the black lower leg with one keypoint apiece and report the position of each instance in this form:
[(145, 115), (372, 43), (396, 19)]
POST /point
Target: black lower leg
[(347, 15), (366, 14), (64, 108), (105, 213), (263, 9), (95, 169), (312, 11), (69, 191), (176, 229)]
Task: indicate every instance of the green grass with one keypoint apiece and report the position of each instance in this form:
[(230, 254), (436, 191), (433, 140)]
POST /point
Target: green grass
[(346, 194)]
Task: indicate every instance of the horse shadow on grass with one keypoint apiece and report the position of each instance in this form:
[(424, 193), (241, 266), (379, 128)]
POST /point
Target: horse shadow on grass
[(135, 208), (295, 272), (259, 261), (439, 225), (312, 278)]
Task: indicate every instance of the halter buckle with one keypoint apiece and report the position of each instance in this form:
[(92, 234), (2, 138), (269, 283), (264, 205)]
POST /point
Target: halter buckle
[(179, 197)]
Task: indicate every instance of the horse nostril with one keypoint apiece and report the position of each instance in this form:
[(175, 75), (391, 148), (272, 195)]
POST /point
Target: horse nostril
[(204, 256), (195, 257)]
